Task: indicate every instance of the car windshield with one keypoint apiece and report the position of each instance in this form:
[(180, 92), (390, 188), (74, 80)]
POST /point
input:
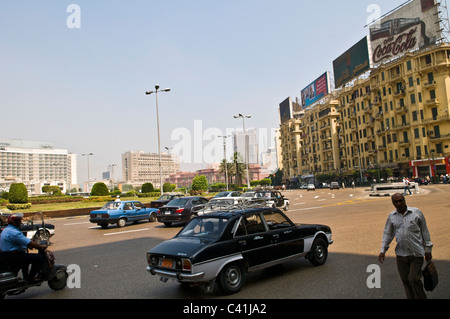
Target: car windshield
[(178, 201), (111, 205), (222, 194), (165, 197), (248, 195), (204, 228)]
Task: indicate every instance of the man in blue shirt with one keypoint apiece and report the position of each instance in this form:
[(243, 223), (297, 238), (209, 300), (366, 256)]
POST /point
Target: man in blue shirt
[(14, 245)]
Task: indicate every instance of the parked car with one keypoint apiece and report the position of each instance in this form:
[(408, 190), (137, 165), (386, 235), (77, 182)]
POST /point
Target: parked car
[(311, 187), (218, 203), (228, 194), (163, 200), (421, 181), (122, 212), (180, 209), (334, 185), (273, 199), (223, 246)]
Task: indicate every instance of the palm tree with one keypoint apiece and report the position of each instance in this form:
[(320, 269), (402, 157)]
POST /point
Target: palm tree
[(229, 170), (239, 167)]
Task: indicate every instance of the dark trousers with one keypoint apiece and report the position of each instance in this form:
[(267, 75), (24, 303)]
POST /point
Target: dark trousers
[(23, 260), (410, 270)]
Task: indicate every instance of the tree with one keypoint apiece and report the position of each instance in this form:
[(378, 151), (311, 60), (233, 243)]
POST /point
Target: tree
[(52, 190), (167, 187), (239, 167), (18, 193), (147, 188), (199, 183), (99, 189)]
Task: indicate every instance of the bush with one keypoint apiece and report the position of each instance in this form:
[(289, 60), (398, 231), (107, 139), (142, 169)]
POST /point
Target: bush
[(147, 188), (18, 193), (167, 187), (99, 189), (199, 183), (18, 206)]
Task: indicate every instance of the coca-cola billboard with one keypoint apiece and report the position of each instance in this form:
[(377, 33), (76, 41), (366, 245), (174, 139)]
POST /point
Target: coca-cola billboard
[(413, 26)]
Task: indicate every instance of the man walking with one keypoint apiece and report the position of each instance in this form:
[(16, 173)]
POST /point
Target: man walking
[(409, 227), (406, 184)]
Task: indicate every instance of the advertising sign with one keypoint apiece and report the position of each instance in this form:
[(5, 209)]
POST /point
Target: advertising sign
[(316, 90), (411, 27), (352, 63), (286, 111)]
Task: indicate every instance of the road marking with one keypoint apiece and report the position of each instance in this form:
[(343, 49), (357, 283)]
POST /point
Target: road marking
[(127, 231), (77, 223), (303, 203)]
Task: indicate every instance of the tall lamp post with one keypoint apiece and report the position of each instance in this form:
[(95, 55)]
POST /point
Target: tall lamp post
[(245, 143), (87, 156), (157, 121), (225, 157)]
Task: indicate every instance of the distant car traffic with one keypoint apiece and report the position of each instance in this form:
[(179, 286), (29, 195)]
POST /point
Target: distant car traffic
[(122, 212), (163, 200), (180, 209), (223, 246), (334, 185), (228, 194), (273, 199), (311, 187)]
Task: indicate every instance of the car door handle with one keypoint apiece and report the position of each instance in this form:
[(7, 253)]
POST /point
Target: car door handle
[(287, 232), (242, 242), (276, 236), (258, 238)]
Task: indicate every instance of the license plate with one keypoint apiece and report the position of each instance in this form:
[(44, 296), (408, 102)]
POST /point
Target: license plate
[(166, 263), (99, 215)]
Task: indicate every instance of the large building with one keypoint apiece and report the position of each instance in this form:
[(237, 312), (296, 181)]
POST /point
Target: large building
[(140, 167), (36, 164), (396, 118)]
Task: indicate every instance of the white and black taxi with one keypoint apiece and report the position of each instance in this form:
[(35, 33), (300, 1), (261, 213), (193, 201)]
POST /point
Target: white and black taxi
[(223, 246)]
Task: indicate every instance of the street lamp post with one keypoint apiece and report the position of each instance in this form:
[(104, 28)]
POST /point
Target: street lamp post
[(87, 156), (245, 143), (159, 139), (225, 157)]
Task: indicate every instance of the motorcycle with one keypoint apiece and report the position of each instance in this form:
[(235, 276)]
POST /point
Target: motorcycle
[(11, 283)]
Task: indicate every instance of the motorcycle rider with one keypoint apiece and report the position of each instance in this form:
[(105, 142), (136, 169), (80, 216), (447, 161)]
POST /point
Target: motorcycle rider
[(15, 246)]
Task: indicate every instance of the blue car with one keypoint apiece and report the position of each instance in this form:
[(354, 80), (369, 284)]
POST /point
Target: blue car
[(122, 212)]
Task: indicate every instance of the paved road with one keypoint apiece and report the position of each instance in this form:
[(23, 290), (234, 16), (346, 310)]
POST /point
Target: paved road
[(112, 261)]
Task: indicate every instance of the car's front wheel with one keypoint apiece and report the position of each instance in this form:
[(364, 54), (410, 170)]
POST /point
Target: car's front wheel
[(232, 278), (152, 218), (319, 252)]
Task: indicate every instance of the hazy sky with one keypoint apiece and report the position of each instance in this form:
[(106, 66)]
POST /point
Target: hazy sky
[(76, 76)]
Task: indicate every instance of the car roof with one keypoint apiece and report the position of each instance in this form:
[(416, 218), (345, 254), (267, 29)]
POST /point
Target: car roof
[(237, 212)]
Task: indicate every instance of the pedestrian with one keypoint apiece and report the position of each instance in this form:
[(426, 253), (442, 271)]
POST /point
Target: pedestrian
[(409, 226), (118, 199), (406, 184)]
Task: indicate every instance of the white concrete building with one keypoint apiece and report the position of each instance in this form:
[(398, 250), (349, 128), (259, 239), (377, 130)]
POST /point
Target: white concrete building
[(36, 164)]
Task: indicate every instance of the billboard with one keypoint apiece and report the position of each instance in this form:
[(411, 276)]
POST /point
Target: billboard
[(316, 90), (355, 61), (411, 27), (286, 111)]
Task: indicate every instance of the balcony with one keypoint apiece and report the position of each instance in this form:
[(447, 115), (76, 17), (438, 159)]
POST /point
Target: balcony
[(432, 102)]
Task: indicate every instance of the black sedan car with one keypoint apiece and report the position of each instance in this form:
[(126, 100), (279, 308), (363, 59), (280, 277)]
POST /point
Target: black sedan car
[(180, 209), (223, 246), (163, 200)]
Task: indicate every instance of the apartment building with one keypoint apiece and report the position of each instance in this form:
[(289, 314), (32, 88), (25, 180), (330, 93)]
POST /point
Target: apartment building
[(398, 117), (140, 167), (36, 164)]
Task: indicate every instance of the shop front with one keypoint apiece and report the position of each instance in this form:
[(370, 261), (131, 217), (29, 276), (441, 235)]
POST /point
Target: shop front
[(431, 167)]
